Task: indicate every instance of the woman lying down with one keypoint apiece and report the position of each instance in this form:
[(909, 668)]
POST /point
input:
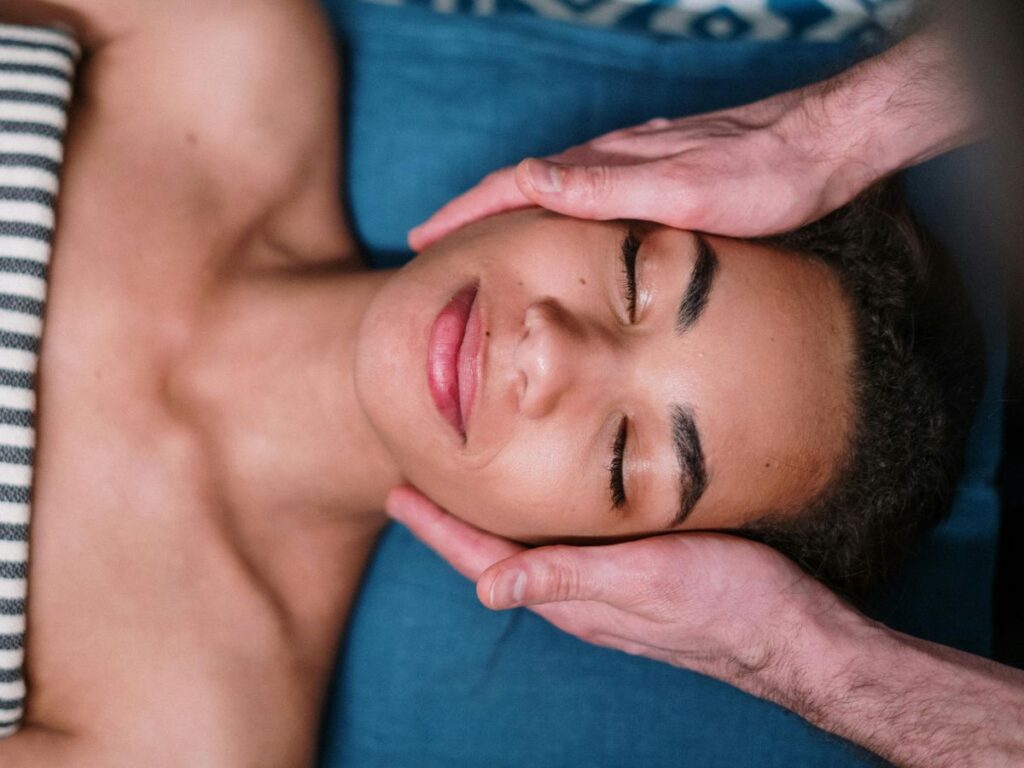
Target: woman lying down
[(226, 395)]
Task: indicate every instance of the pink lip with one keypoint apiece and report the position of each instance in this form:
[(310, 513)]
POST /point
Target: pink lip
[(453, 358)]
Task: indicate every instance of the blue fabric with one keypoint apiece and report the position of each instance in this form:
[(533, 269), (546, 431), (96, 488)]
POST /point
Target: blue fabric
[(429, 677), (726, 20)]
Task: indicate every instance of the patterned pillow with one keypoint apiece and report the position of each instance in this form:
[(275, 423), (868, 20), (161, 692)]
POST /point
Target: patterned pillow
[(820, 21)]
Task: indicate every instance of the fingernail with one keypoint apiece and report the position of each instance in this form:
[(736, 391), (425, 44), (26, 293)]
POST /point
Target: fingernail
[(544, 177), (508, 589)]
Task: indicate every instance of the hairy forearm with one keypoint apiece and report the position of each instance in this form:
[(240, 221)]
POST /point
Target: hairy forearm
[(895, 110), (914, 702)]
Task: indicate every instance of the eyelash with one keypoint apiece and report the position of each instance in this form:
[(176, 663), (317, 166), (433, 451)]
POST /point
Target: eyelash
[(618, 487), (630, 247)]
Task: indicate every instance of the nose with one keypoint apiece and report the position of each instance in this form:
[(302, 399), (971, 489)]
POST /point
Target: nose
[(556, 354)]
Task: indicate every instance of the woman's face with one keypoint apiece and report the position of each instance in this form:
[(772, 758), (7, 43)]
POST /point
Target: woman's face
[(522, 379)]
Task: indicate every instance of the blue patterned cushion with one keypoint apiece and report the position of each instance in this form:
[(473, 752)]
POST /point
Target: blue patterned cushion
[(822, 21)]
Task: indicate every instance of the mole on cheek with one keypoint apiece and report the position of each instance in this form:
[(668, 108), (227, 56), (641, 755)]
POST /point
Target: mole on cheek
[(582, 281)]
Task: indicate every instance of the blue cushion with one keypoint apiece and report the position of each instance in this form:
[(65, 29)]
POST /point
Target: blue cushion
[(430, 678)]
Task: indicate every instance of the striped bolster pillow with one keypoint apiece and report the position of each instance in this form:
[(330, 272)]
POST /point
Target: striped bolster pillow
[(36, 72)]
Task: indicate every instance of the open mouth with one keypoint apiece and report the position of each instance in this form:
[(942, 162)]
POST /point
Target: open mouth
[(453, 358)]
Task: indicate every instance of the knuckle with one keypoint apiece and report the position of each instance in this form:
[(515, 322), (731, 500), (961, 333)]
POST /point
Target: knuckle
[(654, 125), (608, 139), (657, 123), (753, 658), (632, 647), (592, 183), (561, 580), (590, 635)]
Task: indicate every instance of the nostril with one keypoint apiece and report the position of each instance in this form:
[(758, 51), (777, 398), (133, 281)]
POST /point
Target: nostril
[(528, 320)]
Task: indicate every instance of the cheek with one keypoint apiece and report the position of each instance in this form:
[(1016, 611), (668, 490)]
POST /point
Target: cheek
[(390, 373), (529, 491)]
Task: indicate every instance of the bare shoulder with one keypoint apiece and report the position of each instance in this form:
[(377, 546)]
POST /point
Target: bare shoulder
[(98, 22), (91, 21), (217, 109), (256, 78)]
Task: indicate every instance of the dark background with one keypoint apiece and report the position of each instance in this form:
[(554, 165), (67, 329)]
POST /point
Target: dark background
[(991, 34)]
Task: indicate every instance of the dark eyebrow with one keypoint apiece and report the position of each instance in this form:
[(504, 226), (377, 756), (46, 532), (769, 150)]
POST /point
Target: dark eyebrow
[(701, 277), (693, 478)]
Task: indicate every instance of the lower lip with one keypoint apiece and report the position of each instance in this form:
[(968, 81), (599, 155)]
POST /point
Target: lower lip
[(453, 358)]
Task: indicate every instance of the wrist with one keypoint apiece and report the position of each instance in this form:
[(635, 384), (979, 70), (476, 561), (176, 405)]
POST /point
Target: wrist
[(827, 654), (824, 646), (795, 653), (890, 112)]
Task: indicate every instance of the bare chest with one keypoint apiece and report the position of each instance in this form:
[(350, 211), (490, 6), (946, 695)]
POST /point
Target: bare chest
[(156, 614), (145, 593), (153, 606)]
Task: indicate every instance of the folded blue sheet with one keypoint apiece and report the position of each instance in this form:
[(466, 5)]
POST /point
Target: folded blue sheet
[(430, 678)]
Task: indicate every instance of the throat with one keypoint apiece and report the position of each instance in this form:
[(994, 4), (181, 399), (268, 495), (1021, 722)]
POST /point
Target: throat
[(266, 387)]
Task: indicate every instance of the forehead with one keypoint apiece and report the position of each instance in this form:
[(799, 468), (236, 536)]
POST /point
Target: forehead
[(767, 372)]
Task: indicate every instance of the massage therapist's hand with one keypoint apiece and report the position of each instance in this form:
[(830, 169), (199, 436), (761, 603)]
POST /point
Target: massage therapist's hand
[(714, 603), (754, 170), (742, 613)]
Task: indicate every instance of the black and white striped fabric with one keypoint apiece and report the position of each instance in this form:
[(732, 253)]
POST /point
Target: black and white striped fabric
[(36, 69)]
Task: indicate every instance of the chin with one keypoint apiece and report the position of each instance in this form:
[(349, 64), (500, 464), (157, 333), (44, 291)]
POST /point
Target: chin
[(382, 375), (390, 382)]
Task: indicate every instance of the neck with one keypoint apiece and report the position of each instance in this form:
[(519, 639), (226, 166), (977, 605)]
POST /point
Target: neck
[(269, 389)]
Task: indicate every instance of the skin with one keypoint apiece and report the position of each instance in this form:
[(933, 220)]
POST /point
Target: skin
[(764, 371), (215, 354), (171, 618)]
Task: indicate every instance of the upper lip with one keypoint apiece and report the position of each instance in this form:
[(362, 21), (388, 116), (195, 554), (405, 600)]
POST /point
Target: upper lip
[(454, 357), (470, 360)]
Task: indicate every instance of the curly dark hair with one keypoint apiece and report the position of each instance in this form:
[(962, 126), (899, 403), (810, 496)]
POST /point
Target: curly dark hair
[(916, 383)]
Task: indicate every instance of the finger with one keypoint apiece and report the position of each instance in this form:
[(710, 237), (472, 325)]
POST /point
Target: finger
[(553, 575), (495, 193), (653, 191), (468, 549)]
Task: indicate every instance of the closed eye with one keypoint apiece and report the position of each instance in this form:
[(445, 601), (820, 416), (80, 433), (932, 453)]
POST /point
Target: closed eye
[(617, 484), (630, 247)]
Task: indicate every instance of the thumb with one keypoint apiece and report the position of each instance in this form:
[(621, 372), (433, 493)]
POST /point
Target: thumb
[(545, 575), (637, 191)]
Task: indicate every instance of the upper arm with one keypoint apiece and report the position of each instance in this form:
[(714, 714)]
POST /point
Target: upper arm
[(91, 21), (216, 110)]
